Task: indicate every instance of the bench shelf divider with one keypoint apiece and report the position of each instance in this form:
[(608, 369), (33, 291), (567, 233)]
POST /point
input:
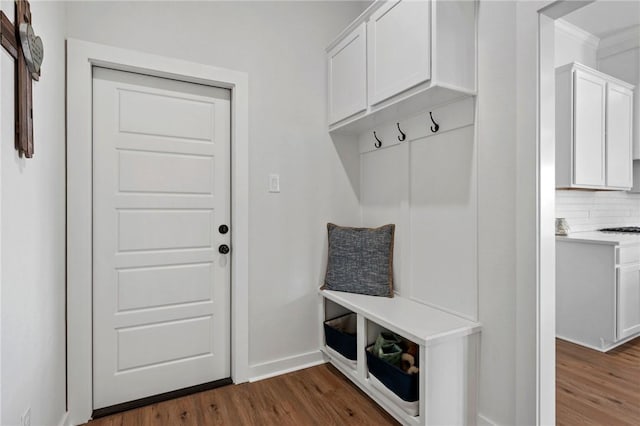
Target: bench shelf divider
[(449, 355)]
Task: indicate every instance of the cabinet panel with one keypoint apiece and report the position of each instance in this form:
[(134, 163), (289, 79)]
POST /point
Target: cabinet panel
[(443, 214), (628, 255), (399, 35), (383, 188), (347, 75), (628, 321), (586, 294), (619, 136), (625, 65), (588, 128)]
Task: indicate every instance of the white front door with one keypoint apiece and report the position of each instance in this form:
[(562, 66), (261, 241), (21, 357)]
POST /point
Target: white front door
[(161, 185)]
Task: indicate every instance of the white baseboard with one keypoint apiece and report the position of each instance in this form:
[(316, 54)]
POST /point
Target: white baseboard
[(605, 349), (65, 420), (280, 366), (483, 421)]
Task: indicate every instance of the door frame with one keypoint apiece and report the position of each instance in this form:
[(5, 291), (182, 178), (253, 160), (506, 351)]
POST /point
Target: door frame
[(545, 209), (81, 57)]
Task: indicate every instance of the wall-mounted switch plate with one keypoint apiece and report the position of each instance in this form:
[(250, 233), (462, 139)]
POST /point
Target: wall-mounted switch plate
[(274, 182)]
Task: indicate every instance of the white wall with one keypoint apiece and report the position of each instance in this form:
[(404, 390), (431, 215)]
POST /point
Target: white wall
[(496, 119), (535, 241), (33, 235), (281, 46), (624, 64), (507, 182)]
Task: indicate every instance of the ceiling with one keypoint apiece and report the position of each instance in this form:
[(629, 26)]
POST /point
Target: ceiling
[(606, 16)]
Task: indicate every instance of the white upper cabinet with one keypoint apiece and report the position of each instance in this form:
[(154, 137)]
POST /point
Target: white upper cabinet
[(399, 43), (417, 55), (347, 70), (622, 60), (593, 129), (619, 136), (588, 128)]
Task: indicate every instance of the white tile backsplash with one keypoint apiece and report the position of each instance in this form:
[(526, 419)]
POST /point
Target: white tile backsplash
[(592, 210)]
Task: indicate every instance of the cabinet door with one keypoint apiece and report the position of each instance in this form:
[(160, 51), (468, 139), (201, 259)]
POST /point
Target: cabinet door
[(399, 36), (628, 301), (347, 63), (588, 129), (619, 136)]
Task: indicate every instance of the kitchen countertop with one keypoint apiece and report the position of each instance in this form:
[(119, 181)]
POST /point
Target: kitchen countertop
[(597, 237)]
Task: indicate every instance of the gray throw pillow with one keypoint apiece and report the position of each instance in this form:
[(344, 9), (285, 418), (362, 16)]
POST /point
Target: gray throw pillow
[(360, 260)]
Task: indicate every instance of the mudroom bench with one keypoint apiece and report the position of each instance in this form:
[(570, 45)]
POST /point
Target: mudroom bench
[(448, 355)]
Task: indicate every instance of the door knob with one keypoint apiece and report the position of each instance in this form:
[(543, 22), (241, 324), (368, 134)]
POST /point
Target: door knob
[(224, 249)]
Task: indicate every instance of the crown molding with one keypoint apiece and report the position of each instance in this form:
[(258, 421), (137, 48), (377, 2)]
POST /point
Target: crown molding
[(619, 41), (577, 33)]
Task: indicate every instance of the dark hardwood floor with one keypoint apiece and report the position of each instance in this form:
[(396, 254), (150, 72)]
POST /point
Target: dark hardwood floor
[(314, 396), (594, 388)]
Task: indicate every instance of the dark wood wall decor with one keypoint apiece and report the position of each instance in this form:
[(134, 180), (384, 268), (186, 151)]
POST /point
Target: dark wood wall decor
[(26, 48)]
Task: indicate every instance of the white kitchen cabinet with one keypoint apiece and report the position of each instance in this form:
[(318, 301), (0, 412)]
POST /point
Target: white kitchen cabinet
[(619, 125), (399, 44), (347, 73), (593, 129), (419, 55), (628, 301), (623, 62), (598, 289), (588, 128)]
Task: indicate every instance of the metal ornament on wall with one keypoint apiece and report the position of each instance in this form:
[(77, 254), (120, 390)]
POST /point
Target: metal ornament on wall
[(32, 48)]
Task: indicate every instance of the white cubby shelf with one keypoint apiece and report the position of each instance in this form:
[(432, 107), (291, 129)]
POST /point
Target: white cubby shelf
[(449, 348)]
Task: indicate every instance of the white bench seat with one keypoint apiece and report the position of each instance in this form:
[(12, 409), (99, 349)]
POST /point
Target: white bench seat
[(448, 355)]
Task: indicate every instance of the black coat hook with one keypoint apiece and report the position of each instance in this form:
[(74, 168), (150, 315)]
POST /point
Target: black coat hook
[(402, 136), (436, 126), (378, 142)]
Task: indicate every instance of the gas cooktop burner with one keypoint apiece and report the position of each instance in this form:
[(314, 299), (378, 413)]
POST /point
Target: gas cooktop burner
[(634, 229)]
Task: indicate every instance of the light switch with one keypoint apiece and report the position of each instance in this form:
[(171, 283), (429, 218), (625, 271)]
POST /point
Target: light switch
[(274, 182)]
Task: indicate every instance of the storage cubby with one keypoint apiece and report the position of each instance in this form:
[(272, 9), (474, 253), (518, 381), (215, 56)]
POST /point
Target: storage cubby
[(340, 335), (448, 348), (401, 387)]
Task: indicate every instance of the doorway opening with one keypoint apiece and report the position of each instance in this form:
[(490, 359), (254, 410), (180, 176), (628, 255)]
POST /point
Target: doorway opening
[(589, 61), (82, 57)]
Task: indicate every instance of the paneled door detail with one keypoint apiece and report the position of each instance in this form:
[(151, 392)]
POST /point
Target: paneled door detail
[(347, 75), (628, 321), (399, 48), (161, 296), (619, 136), (589, 129)]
